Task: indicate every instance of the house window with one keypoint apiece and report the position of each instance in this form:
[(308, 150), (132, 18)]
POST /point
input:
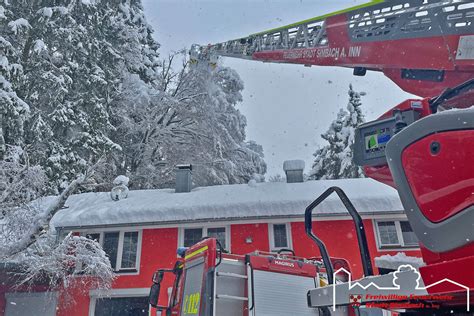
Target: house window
[(94, 236), (129, 252), (122, 248), (191, 236), (217, 233), (408, 236), (280, 236), (122, 306), (388, 233), (392, 234), (110, 243)]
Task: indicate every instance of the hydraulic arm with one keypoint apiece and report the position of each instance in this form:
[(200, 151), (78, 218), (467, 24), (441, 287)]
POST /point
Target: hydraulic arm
[(423, 46)]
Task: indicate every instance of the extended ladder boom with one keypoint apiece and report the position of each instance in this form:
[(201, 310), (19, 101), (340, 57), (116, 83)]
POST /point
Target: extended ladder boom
[(424, 46)]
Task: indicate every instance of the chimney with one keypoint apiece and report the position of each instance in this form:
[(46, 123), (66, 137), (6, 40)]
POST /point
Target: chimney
[(183, 178), (293, 170)]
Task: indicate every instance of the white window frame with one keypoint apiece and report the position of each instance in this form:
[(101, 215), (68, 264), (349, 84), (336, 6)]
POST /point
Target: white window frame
[(118, 263), (398, 228), (227, 245), (271, 236)]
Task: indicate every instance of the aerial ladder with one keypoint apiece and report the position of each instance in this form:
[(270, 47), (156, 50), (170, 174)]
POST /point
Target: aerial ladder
[(422, 147)]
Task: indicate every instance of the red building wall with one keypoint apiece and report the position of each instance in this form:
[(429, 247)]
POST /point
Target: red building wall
[(341, 241), (257, 232)]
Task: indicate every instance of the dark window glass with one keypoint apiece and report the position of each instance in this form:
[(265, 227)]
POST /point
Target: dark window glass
[(129, 253), (192, 236), (110, 246), (409, 237), (94, 236), (279, 236), (388, 233), (123, 306), (217, 233)]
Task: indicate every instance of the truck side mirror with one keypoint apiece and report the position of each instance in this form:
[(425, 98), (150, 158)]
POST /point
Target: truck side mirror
[(154, 294), (155, 289)]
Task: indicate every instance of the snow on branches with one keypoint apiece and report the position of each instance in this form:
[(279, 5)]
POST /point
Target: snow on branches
[(191, 118), (335, 160), (60, 264), (26, 237)]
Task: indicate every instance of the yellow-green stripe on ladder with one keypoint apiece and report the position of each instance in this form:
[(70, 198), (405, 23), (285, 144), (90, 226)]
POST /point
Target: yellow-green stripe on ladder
[(322, 17)]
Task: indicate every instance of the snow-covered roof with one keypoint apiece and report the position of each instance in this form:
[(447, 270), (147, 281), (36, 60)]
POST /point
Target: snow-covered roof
[(224, 202)]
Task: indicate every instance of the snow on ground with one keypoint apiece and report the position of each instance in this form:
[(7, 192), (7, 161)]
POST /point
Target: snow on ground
[(393, 262), (268, 199)]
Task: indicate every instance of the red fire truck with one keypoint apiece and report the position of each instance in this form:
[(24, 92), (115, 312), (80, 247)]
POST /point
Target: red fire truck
[(209, 281)]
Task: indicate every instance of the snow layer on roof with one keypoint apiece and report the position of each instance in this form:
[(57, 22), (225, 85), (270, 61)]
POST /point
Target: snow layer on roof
[(268, 199)]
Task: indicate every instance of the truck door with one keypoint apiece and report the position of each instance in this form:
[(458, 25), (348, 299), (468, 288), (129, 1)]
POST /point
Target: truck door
[(198, 279)]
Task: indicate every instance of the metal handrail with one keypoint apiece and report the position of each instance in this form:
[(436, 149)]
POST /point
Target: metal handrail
[(360, 230)]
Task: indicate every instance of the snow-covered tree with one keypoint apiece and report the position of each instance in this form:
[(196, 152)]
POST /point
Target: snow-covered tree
[(230, 158), (190, 118), (335, 159), (354, 118), (13, 110), (69, 59), (19, 183), (327, 162), (62, 81), (28, 239)]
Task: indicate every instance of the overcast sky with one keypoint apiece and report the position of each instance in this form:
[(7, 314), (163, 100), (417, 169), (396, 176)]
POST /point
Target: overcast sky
[(287, 106)]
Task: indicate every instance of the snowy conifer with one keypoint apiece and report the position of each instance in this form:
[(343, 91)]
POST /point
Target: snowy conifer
[(327, 163), (13, 110), (354, 118), (335, 160), (70, 58)]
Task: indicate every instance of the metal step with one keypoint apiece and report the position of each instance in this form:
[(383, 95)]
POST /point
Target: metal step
[(231, 275), (231, 297)]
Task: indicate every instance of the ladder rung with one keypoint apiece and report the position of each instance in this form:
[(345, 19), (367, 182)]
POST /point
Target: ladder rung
[(231, 275), (231, 297)]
